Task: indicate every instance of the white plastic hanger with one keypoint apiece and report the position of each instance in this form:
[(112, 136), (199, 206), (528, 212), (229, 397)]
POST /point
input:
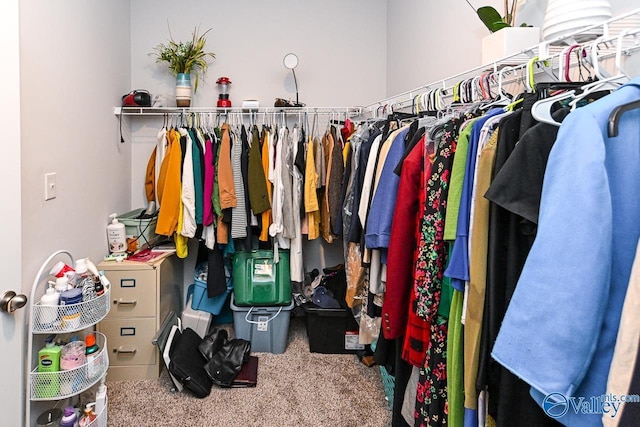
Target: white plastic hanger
[(605, 83)]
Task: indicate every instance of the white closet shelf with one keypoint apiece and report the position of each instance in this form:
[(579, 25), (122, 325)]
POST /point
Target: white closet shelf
[(159, 111), (612, 30)]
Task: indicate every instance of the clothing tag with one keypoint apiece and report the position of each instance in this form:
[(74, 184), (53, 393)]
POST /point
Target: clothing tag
[(352, 341), (263, 323)]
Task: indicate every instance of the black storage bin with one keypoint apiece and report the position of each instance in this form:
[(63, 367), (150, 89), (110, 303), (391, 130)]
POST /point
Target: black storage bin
[(331, 330)]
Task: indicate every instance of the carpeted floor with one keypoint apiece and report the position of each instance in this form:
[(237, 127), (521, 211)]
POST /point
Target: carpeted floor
[(297, 388)]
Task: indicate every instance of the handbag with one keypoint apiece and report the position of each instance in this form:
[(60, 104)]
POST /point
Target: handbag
[(187, 364), (225, 365)]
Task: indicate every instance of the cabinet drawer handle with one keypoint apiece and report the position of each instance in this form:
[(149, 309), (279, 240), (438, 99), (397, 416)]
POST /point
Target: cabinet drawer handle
[(120, 302), (119, 350)]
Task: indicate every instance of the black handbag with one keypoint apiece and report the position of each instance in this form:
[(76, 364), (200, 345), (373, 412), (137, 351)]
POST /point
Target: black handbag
[(225, 364), (187, 364)]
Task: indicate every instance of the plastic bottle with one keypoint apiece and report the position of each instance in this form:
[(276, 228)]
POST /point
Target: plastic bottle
[(101, 398), (48, 381), (70, 310), (82, 272), (72, 357), (69, 417), (88, 415), (92, 352), (62, 284), (116, 235), (48, 312)]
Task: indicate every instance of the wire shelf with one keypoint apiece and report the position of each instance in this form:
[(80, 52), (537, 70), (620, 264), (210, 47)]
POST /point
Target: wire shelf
[(63, 384), (48, 319)]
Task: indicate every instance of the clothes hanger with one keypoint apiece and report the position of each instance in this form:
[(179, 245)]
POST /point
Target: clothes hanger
[(541, 109), (564, 63), (616, 114), (604, 83)]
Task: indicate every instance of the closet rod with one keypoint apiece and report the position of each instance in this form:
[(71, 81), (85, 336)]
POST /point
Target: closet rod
[(607, 54), (160, 111), (520, 58)]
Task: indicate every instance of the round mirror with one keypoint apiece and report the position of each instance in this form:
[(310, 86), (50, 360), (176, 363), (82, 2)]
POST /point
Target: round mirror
[(290, 61)]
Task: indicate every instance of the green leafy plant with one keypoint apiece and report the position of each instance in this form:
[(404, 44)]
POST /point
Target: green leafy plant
[(185, 57), (492, 19)]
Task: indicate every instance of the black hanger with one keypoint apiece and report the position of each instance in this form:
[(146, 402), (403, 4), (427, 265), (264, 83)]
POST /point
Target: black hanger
[(614, 117)]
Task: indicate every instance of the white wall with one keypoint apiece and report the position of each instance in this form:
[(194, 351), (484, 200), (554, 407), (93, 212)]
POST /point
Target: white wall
[(341, 47), (428, 40), (75, 62)]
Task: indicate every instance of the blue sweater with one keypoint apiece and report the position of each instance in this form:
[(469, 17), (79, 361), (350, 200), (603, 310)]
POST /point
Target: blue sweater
[(561, 325), (378, 228)]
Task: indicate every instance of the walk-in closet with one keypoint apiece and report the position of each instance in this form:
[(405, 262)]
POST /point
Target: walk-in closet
[(364, 213)]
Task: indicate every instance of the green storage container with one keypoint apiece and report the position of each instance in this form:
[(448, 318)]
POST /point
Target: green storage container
[(259, 281)]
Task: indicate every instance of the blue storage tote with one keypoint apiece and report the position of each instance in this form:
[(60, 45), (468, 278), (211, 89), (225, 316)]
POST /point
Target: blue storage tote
[(266, 327), (198, 290), (258, 280)]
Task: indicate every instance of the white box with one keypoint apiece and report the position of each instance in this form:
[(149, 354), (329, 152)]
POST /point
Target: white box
[(508, 41), (197, 320)]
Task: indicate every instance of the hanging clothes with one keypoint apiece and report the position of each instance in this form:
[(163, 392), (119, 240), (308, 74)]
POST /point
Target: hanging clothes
[(169, 187), (188, 189), (325, 213), (266, 216), (431, 261), (258, 193), (574, 199), (295, 252), (311, 205), (238, 212)]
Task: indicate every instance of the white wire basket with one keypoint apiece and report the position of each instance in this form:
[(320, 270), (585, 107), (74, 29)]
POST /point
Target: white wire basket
[(51, 319), (63, 384)]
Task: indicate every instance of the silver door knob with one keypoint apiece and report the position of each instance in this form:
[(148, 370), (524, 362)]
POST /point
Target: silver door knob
[(10, 301)]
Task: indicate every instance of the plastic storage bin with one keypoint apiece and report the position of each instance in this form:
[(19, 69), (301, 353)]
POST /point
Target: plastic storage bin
[(257, 280), (198, 291), (198, 320), (144, 230), (266, 327), (331, 330)]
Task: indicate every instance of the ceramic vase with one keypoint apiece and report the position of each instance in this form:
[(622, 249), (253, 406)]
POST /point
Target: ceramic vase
[(183, 90)]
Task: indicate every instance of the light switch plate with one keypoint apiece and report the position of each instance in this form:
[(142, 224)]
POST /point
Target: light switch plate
[(50, 186)]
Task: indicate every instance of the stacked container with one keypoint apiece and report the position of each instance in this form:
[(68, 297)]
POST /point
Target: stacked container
[(261, 301)]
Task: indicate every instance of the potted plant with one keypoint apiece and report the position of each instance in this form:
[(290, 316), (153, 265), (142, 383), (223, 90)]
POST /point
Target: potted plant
[(185, 59), (492, 19), (505, 38)]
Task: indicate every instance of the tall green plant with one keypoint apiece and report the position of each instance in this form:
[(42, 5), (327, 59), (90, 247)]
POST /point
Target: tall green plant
[(185, 57)]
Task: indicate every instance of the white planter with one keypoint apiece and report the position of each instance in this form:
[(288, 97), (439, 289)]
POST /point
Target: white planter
[(508, 41)]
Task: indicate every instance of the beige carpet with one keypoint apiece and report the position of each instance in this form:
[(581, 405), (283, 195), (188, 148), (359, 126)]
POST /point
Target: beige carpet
[(297, 388)]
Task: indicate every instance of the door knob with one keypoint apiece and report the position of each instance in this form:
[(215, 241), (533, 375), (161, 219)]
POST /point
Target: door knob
[(10, 301)]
